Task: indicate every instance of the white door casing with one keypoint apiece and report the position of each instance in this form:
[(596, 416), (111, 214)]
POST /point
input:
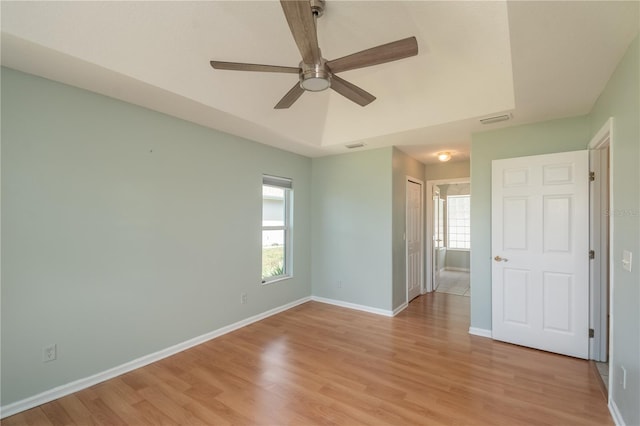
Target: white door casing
[(431, 189), (600, 235), (438, 237), (414, 239), (540, 244)]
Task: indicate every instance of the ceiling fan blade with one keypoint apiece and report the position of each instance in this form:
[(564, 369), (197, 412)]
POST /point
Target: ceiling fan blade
[(291, 96), (303, 28), (376, 55), (351, 91), (239, 66)]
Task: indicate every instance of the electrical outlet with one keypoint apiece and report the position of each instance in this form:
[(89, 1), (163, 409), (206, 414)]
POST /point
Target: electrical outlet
[(623, 377), (49, 353), (243, 298)]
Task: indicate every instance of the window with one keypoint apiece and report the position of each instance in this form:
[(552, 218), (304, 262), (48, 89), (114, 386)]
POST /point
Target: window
[(277, 195), (459, 222)]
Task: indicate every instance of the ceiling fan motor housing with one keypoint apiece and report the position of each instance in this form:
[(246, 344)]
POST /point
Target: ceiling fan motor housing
[(315, 77)]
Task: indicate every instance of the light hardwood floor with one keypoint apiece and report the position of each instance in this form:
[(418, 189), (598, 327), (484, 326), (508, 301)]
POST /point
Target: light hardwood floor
[(321, 364)]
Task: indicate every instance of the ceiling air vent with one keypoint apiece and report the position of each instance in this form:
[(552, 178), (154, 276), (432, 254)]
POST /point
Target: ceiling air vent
[(496, 119), (354, 145)]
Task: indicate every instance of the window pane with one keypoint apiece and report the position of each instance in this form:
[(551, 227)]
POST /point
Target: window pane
[(273, 259), (277, 202), (273, 206), (458, 215), (273, 238)]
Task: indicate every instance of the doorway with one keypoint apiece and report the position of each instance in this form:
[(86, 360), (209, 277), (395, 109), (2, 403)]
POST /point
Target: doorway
[(448, 236)]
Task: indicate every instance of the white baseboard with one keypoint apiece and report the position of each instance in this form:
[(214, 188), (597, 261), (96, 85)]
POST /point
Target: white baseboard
[(482, 332), (78, 385), (453, 268), (615, 413), (400, 308), (355, 306)]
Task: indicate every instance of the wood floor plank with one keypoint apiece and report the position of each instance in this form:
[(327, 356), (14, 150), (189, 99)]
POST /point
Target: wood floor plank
[(322, 364), (35, 416), (56, 413), (78, 412)]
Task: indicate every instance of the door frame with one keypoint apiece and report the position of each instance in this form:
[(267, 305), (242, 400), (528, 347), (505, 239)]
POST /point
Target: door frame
[(429, 228), (599, 309), (421, 233)]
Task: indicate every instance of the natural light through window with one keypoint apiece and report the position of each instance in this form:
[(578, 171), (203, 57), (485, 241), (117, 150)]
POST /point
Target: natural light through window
[(459, 222), (277, 194)]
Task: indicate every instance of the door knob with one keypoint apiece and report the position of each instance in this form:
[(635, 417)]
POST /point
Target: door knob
[(500, 259)]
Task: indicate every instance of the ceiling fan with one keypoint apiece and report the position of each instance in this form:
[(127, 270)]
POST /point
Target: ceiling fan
[(316, 73)]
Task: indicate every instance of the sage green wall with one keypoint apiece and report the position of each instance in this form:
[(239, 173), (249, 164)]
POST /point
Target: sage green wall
[(448, 170), (620, 100), (458, 259), (569, 134), (441, 258), (352, 226), (403, 166), (125, 231)]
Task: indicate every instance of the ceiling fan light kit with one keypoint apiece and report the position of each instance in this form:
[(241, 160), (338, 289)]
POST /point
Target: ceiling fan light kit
[(316, 73), (315, 77)]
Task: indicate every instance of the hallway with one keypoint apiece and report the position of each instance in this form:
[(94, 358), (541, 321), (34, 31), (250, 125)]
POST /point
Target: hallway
[(454, 282)]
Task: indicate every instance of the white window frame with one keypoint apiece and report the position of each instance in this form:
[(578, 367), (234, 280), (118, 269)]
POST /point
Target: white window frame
[(287, 185), (449, 239)]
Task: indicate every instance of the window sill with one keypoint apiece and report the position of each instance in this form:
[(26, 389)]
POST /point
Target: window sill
[(457, 249), (275, 280)]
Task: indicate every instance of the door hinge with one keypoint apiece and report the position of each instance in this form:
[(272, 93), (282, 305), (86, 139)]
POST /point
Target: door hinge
[(592, 254), (592, 333), (592, 176)]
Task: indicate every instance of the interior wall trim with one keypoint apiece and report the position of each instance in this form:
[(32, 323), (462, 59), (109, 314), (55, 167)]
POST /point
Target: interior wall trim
[(400, 308), (482, 332), (357, 307), (615, 413), (80, 384)]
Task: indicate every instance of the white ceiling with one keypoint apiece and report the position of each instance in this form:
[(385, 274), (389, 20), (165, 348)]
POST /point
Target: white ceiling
[(538, 60)]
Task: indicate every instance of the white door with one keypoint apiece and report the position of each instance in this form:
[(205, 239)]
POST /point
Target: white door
[(540, 237), (414, 239)]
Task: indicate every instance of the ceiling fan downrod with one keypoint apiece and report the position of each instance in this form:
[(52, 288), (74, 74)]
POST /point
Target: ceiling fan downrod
[(315, 77), (317, 8)]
